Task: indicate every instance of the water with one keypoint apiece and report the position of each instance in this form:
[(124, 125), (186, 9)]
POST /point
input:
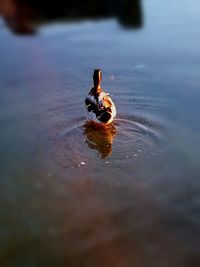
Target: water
[(127, 195)]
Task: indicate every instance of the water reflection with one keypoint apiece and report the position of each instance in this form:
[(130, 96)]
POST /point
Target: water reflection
[(100, 138), (23, 16)]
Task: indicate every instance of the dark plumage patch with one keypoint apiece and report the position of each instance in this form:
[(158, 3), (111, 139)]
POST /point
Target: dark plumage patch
[(91, 106), (103, 116)]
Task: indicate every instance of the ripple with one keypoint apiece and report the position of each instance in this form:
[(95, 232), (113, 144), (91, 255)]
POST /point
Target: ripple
[(74, 125), (135, 129), (73, 140)]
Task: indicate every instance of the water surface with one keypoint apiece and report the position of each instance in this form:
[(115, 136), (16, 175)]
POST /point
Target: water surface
[(127, 195)]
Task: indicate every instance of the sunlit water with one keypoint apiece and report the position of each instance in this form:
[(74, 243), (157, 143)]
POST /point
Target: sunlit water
[(127, 195)]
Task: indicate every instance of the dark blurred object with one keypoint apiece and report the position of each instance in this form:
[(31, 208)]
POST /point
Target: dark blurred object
[(23, 16)]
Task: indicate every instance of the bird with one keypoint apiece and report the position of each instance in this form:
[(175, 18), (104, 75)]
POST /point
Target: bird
[(99, 105)]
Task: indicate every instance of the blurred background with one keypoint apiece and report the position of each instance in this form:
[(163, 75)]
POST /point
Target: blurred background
[(23, 16), (70, 194)]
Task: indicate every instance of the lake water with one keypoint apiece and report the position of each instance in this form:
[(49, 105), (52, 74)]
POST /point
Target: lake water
[(127, 195)]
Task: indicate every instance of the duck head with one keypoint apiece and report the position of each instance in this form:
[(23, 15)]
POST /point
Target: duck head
[(97, 77)]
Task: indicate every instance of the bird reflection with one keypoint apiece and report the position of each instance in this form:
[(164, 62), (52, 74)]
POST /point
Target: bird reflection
[(100, 137)]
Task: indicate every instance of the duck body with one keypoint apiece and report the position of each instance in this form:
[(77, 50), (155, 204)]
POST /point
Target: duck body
[(99, 105)]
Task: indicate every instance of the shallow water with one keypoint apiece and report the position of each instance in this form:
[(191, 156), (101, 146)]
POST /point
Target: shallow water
[(127, 195)]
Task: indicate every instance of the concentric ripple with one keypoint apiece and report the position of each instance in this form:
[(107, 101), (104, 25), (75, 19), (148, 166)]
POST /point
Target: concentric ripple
[(134, 131), (79, 141)]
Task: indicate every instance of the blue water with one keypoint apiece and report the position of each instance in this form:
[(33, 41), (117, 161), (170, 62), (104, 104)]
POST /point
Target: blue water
[(127, 196)]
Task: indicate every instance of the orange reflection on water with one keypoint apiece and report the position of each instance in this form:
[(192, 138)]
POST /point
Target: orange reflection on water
[(100, 137)]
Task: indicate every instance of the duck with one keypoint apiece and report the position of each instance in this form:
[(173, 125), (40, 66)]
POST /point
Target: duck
[(99, 106)]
